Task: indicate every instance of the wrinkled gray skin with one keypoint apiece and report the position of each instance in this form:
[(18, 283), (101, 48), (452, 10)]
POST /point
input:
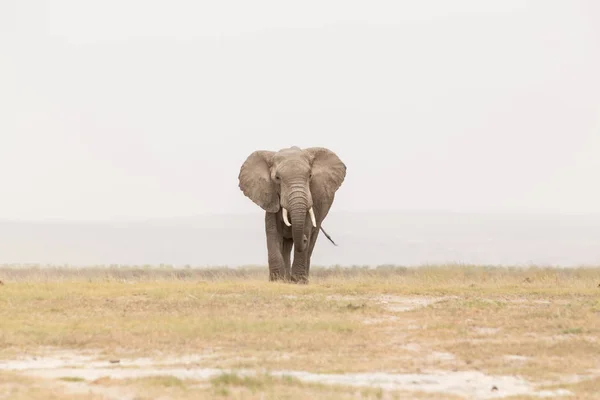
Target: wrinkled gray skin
[(295, 179)]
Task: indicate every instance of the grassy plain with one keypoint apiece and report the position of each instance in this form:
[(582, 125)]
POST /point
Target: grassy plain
[(541, 325)]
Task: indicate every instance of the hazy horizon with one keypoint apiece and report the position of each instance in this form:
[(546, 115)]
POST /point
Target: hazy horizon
[(363, 238)]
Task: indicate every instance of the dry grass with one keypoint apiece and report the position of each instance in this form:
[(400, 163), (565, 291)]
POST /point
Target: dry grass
[(539, 323), (263, 387), (449, 274)]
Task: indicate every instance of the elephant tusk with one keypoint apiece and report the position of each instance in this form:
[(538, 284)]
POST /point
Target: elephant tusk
[(312, 217), (285, 217)]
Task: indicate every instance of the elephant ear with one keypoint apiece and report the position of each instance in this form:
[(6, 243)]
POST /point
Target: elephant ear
[(328, 173), (255, 180)]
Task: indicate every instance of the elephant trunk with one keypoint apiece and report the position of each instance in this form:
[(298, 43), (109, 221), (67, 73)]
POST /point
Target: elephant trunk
[(298, 210), (298, 219)]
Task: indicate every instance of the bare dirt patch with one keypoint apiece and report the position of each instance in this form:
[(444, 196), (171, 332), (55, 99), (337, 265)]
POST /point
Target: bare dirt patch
[(77, 372), (392, 302)]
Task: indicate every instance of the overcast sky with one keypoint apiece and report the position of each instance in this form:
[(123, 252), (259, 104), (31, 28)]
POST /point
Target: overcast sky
[(144, 109)]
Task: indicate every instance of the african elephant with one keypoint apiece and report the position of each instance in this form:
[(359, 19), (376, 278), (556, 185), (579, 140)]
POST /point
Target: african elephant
[(296, 188)]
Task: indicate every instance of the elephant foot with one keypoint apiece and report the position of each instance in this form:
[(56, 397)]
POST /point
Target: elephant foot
[(300, 279), (276, 275), (276, 278)]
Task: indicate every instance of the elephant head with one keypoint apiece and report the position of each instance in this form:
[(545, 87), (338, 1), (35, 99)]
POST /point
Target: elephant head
[(293, 180)]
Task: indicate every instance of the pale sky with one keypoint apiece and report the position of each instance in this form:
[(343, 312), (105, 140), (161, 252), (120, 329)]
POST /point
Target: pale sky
[(143, 109)]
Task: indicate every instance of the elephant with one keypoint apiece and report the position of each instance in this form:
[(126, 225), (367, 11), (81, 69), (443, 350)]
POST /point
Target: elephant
[(296, 188)]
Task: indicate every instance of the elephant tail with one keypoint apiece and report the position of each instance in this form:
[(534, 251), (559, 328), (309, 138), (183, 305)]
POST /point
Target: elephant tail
[(328, 237)]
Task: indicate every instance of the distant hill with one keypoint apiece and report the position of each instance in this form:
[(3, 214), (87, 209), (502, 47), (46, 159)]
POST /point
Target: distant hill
[(363, 238)]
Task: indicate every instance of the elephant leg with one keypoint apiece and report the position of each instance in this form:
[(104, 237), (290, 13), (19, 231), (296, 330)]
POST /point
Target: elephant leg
[(311, 246), (274, 248), (299, 267), (287, 250), (321, 211)]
